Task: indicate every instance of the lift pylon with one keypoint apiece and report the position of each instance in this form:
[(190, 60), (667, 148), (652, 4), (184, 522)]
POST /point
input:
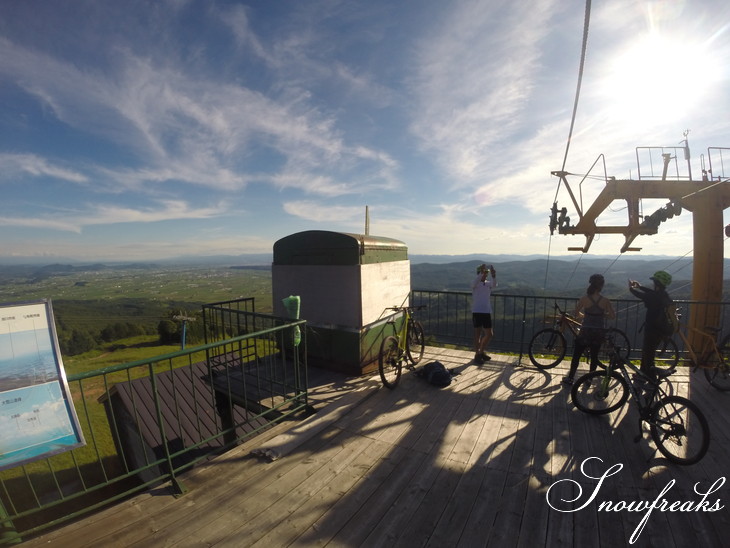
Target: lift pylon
[(705, 199)]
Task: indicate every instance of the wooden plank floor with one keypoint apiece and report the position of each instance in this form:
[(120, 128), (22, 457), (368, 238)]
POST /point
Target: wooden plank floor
[(467, 465)]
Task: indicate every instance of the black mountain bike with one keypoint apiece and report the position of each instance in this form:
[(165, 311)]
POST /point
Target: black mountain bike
[(677, 426), (549, 346)]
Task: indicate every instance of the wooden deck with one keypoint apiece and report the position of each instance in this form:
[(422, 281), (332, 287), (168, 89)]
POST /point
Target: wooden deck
[(467, 465)]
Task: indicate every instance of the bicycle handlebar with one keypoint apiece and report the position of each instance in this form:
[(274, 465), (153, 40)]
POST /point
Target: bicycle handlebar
[(398, 308)]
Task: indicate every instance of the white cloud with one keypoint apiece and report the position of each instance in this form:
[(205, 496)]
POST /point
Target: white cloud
[(19, 165), (314, 211), (103, 214)]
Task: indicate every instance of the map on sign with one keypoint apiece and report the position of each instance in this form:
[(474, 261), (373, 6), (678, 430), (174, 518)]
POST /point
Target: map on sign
[(37, 416)]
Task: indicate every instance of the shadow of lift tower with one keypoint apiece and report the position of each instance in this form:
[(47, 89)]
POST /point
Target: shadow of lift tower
[(706, 199)]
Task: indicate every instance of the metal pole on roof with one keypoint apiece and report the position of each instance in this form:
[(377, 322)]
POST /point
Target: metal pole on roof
[(367, 221)]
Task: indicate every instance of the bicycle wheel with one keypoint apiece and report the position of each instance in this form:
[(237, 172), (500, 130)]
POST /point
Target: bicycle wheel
[(598, 392), (615, 340), (416, 342), (547, 348), (679, 429), (719, 377), (667, 354), (390, 362)]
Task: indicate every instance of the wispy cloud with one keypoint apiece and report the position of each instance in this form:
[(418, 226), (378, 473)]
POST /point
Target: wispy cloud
[(184, 127), (474, 76), (316, 211), (14, 166), (104, 214)]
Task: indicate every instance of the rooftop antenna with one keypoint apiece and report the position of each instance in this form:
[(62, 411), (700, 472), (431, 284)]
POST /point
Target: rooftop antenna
[(367, 221)]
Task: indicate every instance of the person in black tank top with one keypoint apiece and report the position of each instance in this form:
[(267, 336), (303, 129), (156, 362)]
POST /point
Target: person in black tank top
[(595, 309)]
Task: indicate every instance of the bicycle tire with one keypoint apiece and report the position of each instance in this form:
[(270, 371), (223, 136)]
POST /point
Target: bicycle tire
[(614, 338), (390, 362), (416, 342), (667, 354), (598, 393), (547, 348), (679, 430), (719, 377)]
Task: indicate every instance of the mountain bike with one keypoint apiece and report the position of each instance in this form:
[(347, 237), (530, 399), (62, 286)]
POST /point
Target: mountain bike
[(712, 358), (548, 346), (677, 426), (404, 347)]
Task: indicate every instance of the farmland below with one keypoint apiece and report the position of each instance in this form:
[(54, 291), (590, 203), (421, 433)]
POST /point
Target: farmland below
[(97, 304)]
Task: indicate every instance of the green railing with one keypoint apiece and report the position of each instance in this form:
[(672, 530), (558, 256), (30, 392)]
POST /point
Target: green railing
[(148, 421)]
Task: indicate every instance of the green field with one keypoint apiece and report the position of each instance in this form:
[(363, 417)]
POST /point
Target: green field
[(197, 284), (98, 304)]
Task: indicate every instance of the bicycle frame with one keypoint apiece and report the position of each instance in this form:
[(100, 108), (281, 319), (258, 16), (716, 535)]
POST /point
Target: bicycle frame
[(668, 416), (695, 358), (402, 332), (625, 368), (564, 321), (402, 349)]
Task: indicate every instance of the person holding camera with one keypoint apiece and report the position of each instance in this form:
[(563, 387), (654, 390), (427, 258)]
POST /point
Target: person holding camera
[(481, 310)]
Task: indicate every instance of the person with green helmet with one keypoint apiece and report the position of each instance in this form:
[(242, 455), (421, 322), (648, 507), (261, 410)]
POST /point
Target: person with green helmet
[(656, 301)]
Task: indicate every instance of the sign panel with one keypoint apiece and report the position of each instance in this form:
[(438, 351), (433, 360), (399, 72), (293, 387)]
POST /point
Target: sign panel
[(37, 416)]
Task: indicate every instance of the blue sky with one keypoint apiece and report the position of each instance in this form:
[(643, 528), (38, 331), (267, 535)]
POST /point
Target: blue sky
[(140, 130)]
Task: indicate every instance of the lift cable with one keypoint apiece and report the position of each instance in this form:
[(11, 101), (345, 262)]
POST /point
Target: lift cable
[(580, 78), (584, 47), (572, 274)]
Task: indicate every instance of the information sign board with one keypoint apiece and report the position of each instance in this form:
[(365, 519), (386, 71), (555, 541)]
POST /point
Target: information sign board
[(37, 415)]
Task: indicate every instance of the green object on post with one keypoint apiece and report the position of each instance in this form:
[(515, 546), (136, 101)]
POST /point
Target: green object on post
[(292, 303)]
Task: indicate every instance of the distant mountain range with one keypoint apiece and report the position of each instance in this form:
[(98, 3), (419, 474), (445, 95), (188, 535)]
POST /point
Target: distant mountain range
[(556, 276), (517, 274)]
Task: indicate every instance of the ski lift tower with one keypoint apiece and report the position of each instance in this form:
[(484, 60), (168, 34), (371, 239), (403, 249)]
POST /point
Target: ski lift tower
[(706, 199)]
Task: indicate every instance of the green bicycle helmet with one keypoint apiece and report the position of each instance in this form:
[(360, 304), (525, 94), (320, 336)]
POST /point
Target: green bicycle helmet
[(663, 278)]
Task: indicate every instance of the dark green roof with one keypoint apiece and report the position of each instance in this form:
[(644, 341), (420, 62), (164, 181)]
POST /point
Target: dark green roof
[(321, 247)]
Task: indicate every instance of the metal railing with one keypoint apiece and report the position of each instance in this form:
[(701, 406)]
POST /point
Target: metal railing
[(447, 319), (146, 422)]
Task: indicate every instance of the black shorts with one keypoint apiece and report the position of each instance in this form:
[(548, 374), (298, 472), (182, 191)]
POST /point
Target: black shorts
[(481, 319)]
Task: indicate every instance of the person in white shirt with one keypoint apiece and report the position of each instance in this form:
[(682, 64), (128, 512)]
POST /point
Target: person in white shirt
[(481, 309)]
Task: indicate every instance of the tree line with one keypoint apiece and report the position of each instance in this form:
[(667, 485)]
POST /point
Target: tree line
[(82, 326)]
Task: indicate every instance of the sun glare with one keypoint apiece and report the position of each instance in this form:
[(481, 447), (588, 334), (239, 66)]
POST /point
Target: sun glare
[(656, 80)]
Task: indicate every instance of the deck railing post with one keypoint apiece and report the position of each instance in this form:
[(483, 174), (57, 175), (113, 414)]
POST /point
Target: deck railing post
[(8, 534), (178, 487), (522, 332)]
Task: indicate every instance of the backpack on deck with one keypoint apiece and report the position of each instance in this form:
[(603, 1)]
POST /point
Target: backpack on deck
[(669, 319), (436, 374)]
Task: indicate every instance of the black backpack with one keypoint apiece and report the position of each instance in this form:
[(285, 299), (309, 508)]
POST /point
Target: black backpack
[(436, 374), (669, 319)]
